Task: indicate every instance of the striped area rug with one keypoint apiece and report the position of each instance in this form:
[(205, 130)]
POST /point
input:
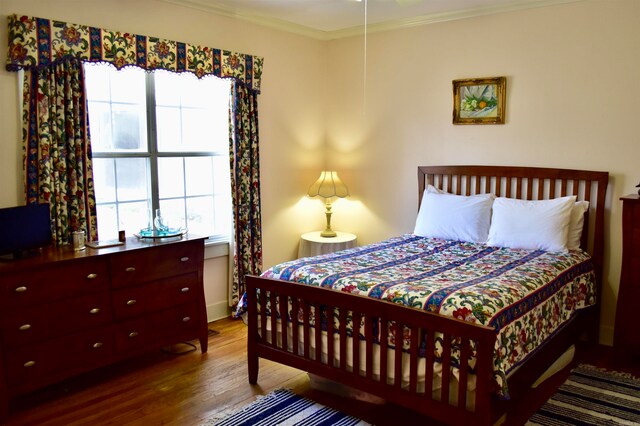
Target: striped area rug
[(283, 407), (592, 396)]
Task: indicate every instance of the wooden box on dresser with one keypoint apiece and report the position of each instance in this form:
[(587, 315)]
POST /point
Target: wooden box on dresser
[(66, 312), (626, 336)]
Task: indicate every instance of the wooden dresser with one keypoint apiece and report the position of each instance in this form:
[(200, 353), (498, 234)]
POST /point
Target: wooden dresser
[(65, 312), (626, 336)]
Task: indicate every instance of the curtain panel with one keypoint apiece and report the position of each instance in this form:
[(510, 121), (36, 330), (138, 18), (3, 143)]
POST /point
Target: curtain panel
[(35, 42), (56, 151), (245, 181)]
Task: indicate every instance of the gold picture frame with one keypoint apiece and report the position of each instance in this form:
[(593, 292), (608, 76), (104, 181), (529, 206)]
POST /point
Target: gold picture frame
[(479, 100)]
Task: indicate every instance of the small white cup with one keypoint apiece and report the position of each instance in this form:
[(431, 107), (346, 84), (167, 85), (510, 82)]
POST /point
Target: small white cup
[(78, 240)]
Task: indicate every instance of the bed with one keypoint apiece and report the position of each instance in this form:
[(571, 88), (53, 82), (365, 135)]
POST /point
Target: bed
[(401, 339)]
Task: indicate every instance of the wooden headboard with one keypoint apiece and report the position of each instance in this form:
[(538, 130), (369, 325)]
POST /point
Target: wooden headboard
[(530, 183)]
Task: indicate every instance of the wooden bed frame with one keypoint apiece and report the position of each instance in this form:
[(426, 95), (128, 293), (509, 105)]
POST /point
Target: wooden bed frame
[(514, 182)]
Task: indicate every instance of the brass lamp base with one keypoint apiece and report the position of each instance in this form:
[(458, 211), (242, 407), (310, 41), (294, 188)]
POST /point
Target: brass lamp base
[(328, 232)]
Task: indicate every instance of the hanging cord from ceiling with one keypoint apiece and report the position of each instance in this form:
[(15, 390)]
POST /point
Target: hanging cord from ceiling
[(364, 76)]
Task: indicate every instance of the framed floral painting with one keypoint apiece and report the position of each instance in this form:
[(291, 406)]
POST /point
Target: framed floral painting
[(479, 100)]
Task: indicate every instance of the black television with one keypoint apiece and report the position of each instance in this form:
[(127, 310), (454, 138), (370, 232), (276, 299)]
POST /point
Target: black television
[(25, 230)]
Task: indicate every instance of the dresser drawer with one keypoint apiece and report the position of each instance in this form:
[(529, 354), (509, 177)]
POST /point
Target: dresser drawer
[(49, 360), (54, 282), (132, 268), (21, 326), (161, 294), (158, 329)]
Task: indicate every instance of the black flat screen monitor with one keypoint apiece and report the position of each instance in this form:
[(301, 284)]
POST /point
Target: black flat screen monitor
[(24, 230)]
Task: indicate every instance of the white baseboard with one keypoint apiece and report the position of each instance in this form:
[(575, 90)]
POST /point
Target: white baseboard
[(218, 311)]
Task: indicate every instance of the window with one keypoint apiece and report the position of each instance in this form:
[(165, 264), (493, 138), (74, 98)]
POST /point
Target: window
[(160, 141)]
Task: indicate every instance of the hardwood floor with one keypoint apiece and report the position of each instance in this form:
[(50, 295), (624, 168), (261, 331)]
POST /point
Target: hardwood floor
[(169, 389)]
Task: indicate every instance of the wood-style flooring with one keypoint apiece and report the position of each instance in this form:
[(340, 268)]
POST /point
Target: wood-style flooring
[(165, 388)]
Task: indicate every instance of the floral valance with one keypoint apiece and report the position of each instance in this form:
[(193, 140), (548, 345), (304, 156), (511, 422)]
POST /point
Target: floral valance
[(37, 42)]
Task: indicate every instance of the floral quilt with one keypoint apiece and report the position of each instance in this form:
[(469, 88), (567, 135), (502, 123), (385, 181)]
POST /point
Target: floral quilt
[(526, 295)]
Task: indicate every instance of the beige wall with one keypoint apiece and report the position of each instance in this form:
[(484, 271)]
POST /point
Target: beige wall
[(571, 92), (572, 96)]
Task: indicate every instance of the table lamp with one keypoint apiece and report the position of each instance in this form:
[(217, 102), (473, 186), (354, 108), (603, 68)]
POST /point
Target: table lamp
[(328, 186)]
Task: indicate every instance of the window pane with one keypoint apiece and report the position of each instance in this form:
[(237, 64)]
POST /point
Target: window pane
[(222, 178), (199, 131), (132, 181), (173, 212), (202, 124), (199, 171), (117, 108), (104, 180), (128, 85), (107, 220), (201, 219), (204, 88), (100, 126), (133, 217), (170, 177), (167, 88), (129, 128), (97, 80), (169, 128)]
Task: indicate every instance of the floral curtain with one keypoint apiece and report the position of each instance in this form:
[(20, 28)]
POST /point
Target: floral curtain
[(56, 151), (245, 182)]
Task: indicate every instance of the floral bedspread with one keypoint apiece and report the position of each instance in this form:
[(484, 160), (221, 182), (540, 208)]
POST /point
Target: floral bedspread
[(525, 295)]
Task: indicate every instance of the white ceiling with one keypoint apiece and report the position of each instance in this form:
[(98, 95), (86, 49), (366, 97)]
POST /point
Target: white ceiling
[(328, 19)]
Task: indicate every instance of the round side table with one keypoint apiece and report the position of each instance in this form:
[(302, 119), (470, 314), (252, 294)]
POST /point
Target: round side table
[(312, 244)]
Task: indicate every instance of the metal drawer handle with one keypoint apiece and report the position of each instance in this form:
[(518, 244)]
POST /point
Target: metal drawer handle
[(92, 276), (184, 259), (186, 319), (21, 289), (131, 302), (130, 269), (94, 311), (24, 327), (184, 289), (96, 345), (29, 364), (133, 334)]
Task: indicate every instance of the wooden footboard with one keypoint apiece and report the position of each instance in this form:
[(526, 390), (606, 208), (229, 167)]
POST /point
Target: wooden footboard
[(270, 302)]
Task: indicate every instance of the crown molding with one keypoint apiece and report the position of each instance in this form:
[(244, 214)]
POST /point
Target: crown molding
[(283, 25)]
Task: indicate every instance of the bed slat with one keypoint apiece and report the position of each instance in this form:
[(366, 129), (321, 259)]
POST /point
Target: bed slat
[(305, 328), (343, 340), (465, 352), (413, 361), (355, 348), (368, 336), (330, 334)]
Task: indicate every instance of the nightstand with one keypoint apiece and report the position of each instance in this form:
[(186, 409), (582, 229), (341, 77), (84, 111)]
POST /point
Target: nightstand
[(312, 244)]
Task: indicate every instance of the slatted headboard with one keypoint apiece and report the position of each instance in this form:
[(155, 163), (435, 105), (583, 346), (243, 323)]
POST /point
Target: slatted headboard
[(530, 183)]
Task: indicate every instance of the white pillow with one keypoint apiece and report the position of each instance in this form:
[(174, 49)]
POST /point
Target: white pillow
[(527, 224), (454, 217), (576, 223)]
